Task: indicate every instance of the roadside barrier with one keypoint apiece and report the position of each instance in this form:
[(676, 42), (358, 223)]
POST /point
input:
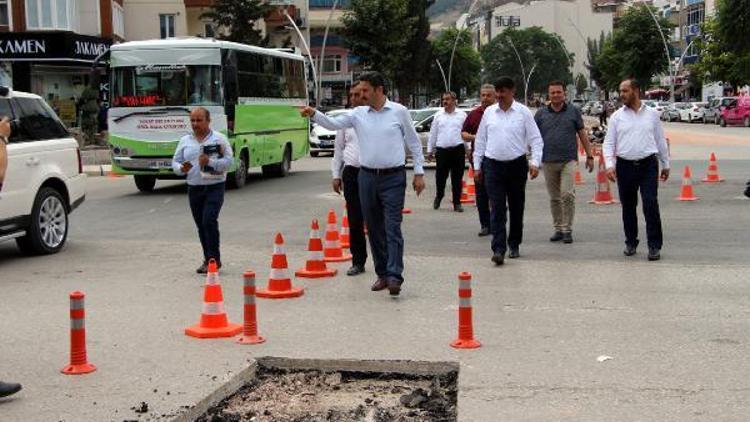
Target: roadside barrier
[(332, 248), (465, 338), (279, 283), (686, 193), (214, 322), (345, 239), (315, 266), (713, 171), (603, 194), (250, 326), (79, 363)]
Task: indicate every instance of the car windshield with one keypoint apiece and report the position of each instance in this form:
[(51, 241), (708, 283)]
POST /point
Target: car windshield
[(166, 85), (419, 115), (681, 106)]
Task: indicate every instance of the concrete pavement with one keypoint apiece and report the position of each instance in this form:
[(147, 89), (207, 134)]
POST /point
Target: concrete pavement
[(677, 329)]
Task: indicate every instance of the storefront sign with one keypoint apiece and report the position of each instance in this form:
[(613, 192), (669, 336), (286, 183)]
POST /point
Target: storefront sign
[(51, 45)]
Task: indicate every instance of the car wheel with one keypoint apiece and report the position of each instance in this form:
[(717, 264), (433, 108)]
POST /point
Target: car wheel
[(314, 153), (145, 183), (237, 179), (49, 224), (722, 122), (280, 169)]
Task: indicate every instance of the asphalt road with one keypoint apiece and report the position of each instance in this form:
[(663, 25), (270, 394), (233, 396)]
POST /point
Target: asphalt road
[(677, 329)]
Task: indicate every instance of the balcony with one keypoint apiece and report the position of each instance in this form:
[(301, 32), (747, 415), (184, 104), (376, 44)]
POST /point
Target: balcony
[(329, 3)]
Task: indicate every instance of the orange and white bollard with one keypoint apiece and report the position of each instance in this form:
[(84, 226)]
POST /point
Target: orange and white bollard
[(250, 326), (465, 338), (79, 363)]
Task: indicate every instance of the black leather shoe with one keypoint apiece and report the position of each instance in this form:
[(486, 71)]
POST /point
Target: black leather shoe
[(513, 254), (458, 208), (558, 236), (629, 250), (9, 388), (567, 237), (654, 254), (355, 270), (498, 259), (484, 232), (394, 286), (380, 284), (436, 203), (203, 269)]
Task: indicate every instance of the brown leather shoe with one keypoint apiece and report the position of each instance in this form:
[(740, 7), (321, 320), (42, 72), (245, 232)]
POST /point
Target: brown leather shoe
[(394, 286), (380, 284)]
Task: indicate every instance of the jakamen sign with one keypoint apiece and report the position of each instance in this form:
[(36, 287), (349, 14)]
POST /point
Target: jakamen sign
[(22, 46), (51, 45)]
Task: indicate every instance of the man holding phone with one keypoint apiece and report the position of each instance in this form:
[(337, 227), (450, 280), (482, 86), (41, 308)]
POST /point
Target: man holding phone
[(204, 158)]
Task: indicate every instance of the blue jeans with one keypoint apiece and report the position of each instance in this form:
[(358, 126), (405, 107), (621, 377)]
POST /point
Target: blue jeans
[(205, 204), (382, 197)]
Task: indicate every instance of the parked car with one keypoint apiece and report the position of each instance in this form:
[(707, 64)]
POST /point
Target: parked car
[(693, 113), (423, 126), (422, 114), (578, 103), (671, 113), (650, 104), (661, 106), (736, 112), (44, 182), (322, 139), (714, 108)]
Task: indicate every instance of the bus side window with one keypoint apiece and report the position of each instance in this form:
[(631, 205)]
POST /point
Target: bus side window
[(230, 93)]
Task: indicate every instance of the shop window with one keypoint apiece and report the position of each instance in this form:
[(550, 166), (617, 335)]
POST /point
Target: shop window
[(332, 64), (118, 20), (166, 26), (49, 14), (4, 21)]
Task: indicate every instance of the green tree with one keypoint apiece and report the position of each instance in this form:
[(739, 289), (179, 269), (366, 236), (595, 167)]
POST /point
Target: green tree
[(581, 84), (418, 50), (538, 50), (636, 48), (593, 47), (237, 19), (467, 63), (725, 54)]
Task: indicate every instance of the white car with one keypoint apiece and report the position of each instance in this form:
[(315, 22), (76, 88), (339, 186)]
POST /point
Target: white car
[(693, 113), (44, 181), (322, 139)]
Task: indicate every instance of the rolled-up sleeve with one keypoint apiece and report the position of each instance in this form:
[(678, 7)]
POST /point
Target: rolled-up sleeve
[(412, 141)]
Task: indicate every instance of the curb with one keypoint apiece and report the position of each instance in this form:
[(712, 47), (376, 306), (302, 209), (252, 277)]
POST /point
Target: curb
[(97, 170)]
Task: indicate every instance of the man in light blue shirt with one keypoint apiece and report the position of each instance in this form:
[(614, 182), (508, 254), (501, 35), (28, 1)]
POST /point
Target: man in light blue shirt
[(383, 129), (204, 158)]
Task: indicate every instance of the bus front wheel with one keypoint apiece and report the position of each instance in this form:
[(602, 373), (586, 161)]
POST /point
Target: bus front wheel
[(280, 169), (145, 183), (237, 179)]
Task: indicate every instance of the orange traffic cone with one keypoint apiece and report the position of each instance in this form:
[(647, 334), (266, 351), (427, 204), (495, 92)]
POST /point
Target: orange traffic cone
[(279, 283), (579, 175), (315, 267), (332, 248), (214, 322), (406, 211), (345, 240), (713, 171), (686, 193), (470, 188), (465, 198), (79, 363), (250, 326), (465, 338), (603, 194)]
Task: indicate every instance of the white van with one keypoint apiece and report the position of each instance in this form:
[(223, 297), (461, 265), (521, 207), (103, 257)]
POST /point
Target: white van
[(44, 181)]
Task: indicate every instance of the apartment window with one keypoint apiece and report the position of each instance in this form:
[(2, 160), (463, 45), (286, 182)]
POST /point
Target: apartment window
[(49, 14), (332, 64), (4, 13), (208, 30), (118, 20), (166, 25), (695, 16)]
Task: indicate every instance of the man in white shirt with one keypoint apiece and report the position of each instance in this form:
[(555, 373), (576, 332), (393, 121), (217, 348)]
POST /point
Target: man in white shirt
[(445, 144), (383, 129), (345, 170), (505, 134), (633, 149)]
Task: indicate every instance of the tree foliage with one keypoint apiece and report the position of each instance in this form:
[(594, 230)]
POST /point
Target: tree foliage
[(581, 84), (467, 64), (725, 45), (593, 47), (237, 18), (635, 49), (538, 50)]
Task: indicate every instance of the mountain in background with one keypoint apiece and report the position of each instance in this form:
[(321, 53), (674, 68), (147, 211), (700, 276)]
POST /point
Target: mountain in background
[(446, 12)]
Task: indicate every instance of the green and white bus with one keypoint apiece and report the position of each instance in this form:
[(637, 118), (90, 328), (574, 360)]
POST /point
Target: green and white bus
[(252, 93)]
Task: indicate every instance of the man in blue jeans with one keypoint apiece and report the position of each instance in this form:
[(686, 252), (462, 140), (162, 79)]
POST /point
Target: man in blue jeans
[(204, 157), (383, 129)]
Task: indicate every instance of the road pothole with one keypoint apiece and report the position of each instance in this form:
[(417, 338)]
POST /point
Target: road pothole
[(283, 390)]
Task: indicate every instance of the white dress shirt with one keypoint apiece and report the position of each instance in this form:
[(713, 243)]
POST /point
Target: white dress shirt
[(635, 135), (507, 135), (189, 149), (345, 151), (382, 135), (446, 130)]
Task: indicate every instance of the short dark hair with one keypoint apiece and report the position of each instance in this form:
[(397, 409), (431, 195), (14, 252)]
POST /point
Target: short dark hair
[(450, 94), (504, 82), (633, 83), (556, 83), (375, 79)]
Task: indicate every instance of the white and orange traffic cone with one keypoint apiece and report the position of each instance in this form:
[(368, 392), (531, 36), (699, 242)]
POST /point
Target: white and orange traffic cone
[(603, 194), (315, 267), (713, 171), (686, 193), (279, 283), (214, 322), (332, 251), (578, 177), (345, 238), (465, 198)]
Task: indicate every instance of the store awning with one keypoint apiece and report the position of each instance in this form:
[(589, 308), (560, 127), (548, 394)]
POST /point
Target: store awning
[(58, 46)]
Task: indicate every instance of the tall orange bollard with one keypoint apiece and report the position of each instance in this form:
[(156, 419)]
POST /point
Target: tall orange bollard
[(465, 338), (713, 171), (79, 363), (214, 322), (279, 283), (603, 194), (686, 193), (250, 326)]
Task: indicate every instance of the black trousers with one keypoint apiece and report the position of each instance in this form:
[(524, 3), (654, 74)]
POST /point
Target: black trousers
[(483, 205), (205, 205), (505, 182), (358, 243), (450, 161), (633, 176)]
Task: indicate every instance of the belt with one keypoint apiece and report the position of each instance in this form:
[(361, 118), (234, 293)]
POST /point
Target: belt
[(383, 171), (520, 158), (453, 147), (639, 161)]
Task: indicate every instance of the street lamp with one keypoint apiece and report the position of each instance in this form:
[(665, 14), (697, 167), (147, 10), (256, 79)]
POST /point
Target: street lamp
[(323, 47), (455, 43), (309, 54), (672, 75)]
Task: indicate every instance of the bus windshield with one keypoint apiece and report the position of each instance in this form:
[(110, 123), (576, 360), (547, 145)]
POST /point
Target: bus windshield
[(166, 85)]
